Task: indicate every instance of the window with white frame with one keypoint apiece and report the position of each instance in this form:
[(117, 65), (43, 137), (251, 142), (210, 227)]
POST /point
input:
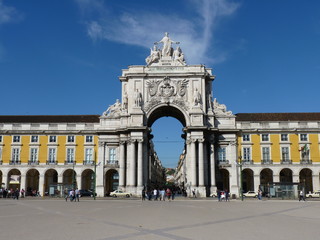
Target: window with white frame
[(266, 153), (70, 139), (285, 153), (89, 155), (303, 137), (265, 137), (52, 139), (34, 139), (246, 154), (15, 154), (16, 139), (284, 137), (89, 139), (112, 155), (246, 137), (305, 152), (52, 155), (70, 155), (222, 154), (33, 154)]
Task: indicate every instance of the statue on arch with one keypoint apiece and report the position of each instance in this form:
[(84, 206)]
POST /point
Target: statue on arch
[(167, 43), (197, 97), (154, 55), (114, 109), (137, 98)]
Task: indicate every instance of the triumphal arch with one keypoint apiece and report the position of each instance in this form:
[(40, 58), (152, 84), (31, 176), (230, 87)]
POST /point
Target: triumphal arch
[(167, 86)]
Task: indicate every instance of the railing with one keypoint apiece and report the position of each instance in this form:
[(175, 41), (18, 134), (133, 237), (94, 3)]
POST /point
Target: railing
[(112, 163), (69, 163), (286, 161), (31, 162), (247, 162), (224, 163), (51, 162), (305, 161), (266, 162), (90, 162), (13, 162)]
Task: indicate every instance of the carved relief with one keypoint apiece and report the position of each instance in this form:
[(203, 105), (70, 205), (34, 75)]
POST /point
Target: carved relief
[(113, 110), (220, 109)]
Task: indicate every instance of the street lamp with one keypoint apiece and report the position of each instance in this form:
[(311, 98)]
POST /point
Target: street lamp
[(241, 187), (73, 175), (95, 176)]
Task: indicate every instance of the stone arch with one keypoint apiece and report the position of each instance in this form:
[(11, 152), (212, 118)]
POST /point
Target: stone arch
[(286, 175), (50, 177), (14, 179), (223, 179), (111, 181), (247, 180), (69, 178), (266, 176), (87, 179), (165, 110), (32, 181), (305, 179)]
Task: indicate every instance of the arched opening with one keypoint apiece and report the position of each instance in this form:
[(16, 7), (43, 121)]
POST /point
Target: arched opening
[(50, 178), (247, 178), (266, 179), (14, 179), (32, 181), (305, 177), (87, 179), (69, 179), (112, 181), (223, 180), (286, 175)]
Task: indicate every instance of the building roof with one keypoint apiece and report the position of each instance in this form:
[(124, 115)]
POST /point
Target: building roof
[(252, 117), (49, 118)]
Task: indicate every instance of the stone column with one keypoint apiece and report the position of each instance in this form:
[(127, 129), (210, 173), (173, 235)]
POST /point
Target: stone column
[(122, 167), (256, 182), (5, 180), (295, 178), (23, 182), (315, 182), (193, 163), (212, 169), (140, 164), (41, 184), (201, 163), (60, 178), (79, 180), (133, 165), (99, 169), (276, 177)]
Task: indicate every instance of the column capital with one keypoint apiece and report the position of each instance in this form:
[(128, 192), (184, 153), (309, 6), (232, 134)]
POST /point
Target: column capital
[(200, 140), (101, 144)]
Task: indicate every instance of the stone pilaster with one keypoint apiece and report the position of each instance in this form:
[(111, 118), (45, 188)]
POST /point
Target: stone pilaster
[(193, 163), (256, 182), (41, 184), (23, 182), (122, 167), (315, 182), (140, 164)]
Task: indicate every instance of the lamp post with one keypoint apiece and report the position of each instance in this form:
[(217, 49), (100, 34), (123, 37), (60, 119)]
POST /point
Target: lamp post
[(241, 187), (73, 175), (95, 176)]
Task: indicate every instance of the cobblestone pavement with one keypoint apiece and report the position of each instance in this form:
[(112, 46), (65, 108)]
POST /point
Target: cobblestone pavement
[(181, 219)]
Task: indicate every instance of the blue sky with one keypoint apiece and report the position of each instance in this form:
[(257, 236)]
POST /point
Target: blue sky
[(64, 57)]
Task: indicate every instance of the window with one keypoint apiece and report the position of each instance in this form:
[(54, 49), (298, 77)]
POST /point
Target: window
[(285, 153), (16, 139), (34, 139), (265, 137), (265, 153), (246, 137), (303, 137), (70, 139), (246, 154), (89, 139), (52, 155), (0, 138), (284, 137), (15, 155), (33, 154), (89, 155), (70, 155), (53, 139), (222, 154), (112, 154), (305, 152)]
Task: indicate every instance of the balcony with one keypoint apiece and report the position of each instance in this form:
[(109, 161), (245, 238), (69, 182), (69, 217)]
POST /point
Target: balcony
[(247, 162), (69, 163), (112, 163), (88, 162), (224, 163), (286, 161), (14, 162), (305, 161), (51, 162), (266, 162), (32, 162)]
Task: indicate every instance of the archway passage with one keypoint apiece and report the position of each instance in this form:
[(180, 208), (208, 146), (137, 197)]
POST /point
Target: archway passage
[(87, 179), (248, 183), (112, 181), (14, 179), (50, 178), (166, 111), (286, 176), (223, 180), (32, 182), (266, 179), (69, 179), (305, 178)]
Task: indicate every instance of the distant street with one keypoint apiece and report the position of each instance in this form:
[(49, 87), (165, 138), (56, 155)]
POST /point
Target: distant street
[(180, 219)]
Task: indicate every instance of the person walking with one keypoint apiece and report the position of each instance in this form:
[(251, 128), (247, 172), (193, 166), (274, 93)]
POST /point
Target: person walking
[(77, 195), (226, 193), (168, 193), (194, 193), (66, 195), (143, 194), (301, 196), (219, 195)]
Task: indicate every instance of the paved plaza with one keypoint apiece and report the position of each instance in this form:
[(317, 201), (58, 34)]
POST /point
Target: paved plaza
[(180, 219)]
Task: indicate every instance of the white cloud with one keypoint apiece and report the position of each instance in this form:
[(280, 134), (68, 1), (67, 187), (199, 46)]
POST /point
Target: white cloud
[(142, 28), (7, 14)]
